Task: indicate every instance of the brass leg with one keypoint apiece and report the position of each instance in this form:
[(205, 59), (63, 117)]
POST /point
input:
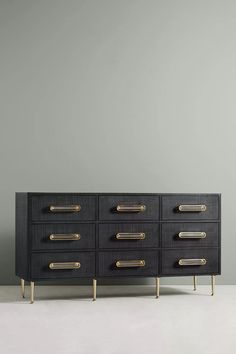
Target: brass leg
[(22, 285), (213, 281), (94, 289), (31, 292), (194, 282), (157, 287)]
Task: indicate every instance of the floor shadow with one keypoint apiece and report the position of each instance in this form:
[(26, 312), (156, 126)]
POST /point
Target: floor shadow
[(12, 294), (139, 291)]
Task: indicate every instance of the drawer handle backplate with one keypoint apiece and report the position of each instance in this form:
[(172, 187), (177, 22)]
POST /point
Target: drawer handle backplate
[(129, 264), (192, 234), (130, 236), (65, 237), (135, 208), (192, 262), (65, 208), (65, 265), (192, 207)]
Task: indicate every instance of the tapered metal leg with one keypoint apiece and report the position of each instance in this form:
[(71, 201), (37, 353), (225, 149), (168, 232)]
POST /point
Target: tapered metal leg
[(213, 281), (194, 283), (31, 292), (157, 287), (94, 289), (22, 286)]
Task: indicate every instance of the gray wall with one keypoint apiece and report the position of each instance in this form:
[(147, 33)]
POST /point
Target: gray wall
[(121, 95)]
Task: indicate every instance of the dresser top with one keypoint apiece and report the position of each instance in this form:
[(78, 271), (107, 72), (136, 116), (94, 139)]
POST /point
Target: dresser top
[(115, 193)]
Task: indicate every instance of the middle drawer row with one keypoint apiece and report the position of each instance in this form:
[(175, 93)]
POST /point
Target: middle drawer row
[(123, 236)]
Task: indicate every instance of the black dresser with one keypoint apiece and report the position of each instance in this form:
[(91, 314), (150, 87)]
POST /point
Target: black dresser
[(96, 235)]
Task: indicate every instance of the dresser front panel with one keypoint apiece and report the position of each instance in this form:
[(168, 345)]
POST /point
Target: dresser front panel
[(171, 204), (145, 228), (171, 235), (40, 234), (127, 235), (40, 207), (170, 261), (40, 265), (108, 207), (107, 263)]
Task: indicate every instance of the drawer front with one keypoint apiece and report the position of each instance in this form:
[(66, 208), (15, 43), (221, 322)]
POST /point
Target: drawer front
[(182, 235), (129, 207), (62, 236), (63, 207), (190, 207), (75, 264), (128, 263), (207, 259), (128, 235)]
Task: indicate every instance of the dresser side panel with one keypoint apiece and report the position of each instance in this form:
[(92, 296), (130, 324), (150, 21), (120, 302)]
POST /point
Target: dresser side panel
[(21, 235)]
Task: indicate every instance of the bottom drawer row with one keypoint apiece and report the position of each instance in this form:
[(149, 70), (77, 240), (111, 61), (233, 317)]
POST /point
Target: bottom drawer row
[(124, 263)]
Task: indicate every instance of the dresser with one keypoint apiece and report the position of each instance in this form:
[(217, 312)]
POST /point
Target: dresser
[(98, 235)]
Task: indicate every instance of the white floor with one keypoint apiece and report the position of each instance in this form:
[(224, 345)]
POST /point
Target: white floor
[(123, 320)]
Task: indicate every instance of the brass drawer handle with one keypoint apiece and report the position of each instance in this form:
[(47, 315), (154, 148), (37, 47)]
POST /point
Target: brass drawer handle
[(64, 208), (130, 236), (65, 265), (192, 207), (65, 237), (192, 234), (128, 264), (192, 262), (130, 208)]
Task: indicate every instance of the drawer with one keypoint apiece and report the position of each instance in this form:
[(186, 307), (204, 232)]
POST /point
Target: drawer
[(182, 235), (128, 235), (75, 264), (129, 207), (176, 262), (190, 207), (53, 207), (128, 263), (62, 236)]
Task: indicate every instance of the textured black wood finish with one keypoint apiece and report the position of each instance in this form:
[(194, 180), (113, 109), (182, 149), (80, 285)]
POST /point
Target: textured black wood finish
[(171, 202), (107, 261), (21, 236), (40, 236), (170, 233), (41, 203), (170, 258), (108, 204), (40, 265), (107, 235), (98, 223)]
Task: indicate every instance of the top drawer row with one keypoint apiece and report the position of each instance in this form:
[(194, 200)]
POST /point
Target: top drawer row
[(68, 207)]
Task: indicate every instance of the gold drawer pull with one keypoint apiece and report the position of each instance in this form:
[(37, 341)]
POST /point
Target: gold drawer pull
[(192, 207), (130, 208), (192, 262), (65, 265), (130, 236), (64, 208), (128, 264), (192, 234), (65, 237)]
